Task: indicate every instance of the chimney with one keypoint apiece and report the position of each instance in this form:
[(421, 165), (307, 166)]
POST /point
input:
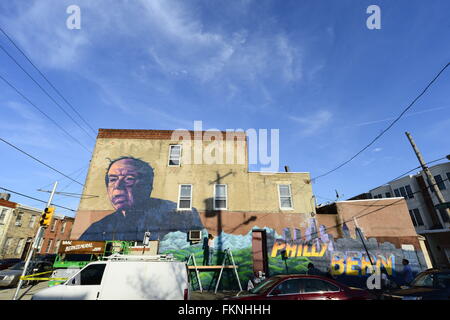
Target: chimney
[(286, 168), (5, 196)]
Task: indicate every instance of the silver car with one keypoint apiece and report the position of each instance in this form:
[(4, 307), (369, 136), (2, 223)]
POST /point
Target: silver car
[(10, 277)]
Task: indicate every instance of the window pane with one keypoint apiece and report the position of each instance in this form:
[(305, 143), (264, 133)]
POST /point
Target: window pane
[(418, 217), (220, 190), (175, 151), (174, 162), (444, 215), (221, 204), (185, 191), (316, 285), (92, 275), (409, 192), (388, 194), (289, 287), (286, 202), (412, 218), (185, 204), (397, 193), (403, 192), (439, 182), (284, 191)]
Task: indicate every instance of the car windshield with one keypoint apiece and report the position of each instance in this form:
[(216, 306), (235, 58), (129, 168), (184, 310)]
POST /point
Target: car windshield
[(18, 266), (263, 286), (432, 280)]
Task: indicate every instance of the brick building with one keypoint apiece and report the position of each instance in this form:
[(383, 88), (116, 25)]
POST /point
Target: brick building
[(59, 229), (18, 226)]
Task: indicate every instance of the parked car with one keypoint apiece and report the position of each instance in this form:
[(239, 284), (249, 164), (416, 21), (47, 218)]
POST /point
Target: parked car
[(431, 284), (6, 263), (10, 277), (125, 278), (303, 287)]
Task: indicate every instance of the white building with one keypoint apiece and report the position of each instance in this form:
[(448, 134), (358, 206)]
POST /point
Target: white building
[(433, 224)]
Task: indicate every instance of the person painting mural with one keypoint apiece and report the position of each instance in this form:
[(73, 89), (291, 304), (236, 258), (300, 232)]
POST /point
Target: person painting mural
[(407, 273), (208, 250), (129, 183)]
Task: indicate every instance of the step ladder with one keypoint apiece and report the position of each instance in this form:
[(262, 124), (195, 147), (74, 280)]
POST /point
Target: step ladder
[(231, 265)]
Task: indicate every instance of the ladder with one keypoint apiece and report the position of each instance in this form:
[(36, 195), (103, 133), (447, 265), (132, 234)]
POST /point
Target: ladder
[(232, 265), (196, 270)]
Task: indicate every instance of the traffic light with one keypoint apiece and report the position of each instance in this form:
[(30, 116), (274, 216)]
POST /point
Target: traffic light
[(46, 217)]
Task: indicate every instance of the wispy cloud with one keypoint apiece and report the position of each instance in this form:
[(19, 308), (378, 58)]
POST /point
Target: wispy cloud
[(312, 124), (405, 116)]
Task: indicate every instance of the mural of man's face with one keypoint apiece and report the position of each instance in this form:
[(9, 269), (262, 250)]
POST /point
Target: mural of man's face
[(127, 186)]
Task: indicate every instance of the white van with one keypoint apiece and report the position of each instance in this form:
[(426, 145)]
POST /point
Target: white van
[(124, 278)]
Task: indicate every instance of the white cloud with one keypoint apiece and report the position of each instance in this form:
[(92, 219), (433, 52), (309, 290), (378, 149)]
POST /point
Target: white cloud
[(377, 149)]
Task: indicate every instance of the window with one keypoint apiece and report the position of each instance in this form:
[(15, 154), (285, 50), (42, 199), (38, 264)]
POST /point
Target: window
[(58, 243), (19, 219), (50, 242), (7, 245), (440, 183), (220, 197), (174, 155), (317, 285), (416, 217), (32, 221), (90, 276), (185, 197), (388, 195), (20, 246), (397, 193), (63, 227), (403, 192), (444, 215), (3, 215), (53, 225), (291, 286), (284, 191), (448, 177), (409, 191)]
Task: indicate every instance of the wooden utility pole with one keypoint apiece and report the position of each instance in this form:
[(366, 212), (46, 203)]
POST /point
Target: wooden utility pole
[(431, 181)]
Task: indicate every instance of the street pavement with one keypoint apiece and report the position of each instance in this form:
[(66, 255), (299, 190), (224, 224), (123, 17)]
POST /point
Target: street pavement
[(24, 293), (27, 293)]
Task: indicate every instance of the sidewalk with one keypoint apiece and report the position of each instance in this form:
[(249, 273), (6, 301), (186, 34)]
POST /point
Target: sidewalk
[(24, 293)]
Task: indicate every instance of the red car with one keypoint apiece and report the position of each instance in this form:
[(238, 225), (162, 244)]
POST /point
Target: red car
[(303, 287)]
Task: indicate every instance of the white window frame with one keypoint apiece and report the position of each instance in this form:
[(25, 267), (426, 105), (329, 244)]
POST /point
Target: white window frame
[(226, 196), (32, 221), (179, 160), (179, 198), (57, 245), (63, 227), (3, 215), (53, 227), (290, 196), (20, 245), (49, 245)]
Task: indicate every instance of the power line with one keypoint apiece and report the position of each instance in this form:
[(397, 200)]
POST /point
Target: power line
[(45, 91), (41, 162), (42, 112), (385, 130), (48, 81), (416, 169), (29, 197)]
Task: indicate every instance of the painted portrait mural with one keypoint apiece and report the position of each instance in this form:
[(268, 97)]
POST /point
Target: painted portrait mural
[(129, 184)]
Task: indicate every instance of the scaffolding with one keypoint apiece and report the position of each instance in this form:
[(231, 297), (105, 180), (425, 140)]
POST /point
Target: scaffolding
[(231, 265)]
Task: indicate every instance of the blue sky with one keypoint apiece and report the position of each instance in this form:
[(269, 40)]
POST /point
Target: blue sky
[(309, 68)]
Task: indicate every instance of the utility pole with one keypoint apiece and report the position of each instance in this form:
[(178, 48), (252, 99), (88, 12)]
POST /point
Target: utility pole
[(431, 180), (35, 244)]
